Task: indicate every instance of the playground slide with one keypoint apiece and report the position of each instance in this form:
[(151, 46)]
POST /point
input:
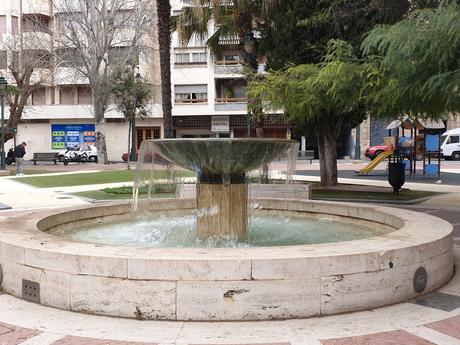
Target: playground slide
[(377, 160)]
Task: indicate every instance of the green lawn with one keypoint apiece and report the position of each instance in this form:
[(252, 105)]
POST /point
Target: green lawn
[(33, 172), (101, 195), (404, 195), (91, 178), (167, 191)]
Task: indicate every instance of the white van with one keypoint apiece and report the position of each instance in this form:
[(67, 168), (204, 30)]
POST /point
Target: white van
[(450, 144)]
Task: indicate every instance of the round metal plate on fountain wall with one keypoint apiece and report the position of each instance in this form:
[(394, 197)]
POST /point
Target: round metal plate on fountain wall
[(420, 279)]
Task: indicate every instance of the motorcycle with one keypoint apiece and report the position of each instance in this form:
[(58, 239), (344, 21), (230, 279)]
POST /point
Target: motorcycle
[(10, 157), (75, 156)]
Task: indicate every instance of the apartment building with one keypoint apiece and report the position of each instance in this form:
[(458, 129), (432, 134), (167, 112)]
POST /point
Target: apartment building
[(59, 112), (209, 92)]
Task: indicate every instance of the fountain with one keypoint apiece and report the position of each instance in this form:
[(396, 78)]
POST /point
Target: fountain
[(221, 167), (60, 259)]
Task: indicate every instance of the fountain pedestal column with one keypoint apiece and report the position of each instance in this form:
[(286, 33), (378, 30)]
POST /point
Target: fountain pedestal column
[(222, 206)]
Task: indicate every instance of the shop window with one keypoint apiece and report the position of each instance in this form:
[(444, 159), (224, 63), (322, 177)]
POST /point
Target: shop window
[(147, 133)]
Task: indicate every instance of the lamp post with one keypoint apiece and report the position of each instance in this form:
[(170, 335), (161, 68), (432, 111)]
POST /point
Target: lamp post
[(249, 59), (132, 154), (3, 85)]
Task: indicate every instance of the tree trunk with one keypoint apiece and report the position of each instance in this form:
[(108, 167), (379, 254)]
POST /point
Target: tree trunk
[(327, 144), (164, 40), (128, 158)]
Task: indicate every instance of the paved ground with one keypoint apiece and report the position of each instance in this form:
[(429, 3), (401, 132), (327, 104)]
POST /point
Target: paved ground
[(433, 319)]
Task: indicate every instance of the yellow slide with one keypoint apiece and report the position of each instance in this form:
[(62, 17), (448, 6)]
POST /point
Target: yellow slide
[(372, 164)]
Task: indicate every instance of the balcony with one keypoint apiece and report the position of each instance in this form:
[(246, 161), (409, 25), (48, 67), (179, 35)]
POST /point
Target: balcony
[(36, 6), (228, 67), (231, 104)]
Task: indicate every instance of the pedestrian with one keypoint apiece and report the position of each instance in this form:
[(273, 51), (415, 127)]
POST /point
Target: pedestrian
[(19, 152)]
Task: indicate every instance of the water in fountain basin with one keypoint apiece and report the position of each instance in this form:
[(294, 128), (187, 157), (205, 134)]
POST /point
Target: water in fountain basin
[(179, 231)]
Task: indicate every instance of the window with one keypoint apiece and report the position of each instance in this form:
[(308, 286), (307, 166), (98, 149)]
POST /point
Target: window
[(35, 23), (191, 93), (39, 96), (123, 55), (125, 18), (67, 95), (197, 57), (147, 133), (37, 58), (84, 95), (68, 57), (3, 59), (14, 25), (2, 24), (453, 139)]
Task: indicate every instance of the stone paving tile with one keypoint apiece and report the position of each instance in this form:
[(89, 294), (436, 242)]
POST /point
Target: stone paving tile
[(71, 340), (440, 300), (13, 335), (386, 338), (248, 344), (450, 326)]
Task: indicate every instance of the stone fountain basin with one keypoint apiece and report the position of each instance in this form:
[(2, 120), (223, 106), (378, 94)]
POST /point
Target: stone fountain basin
[(224, 284), (221, 156)]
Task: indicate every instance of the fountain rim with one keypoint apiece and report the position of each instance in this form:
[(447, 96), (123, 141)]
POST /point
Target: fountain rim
[(407, 226)]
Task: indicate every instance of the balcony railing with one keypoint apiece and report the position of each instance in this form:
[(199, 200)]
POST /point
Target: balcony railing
[(231, 104), (232, 100), (191, 101)]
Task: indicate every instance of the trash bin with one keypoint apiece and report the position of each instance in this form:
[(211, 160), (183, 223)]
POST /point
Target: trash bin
[(396, 172)]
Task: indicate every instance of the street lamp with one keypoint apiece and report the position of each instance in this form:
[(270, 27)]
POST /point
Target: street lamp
[(248, 48), (137, 79), (3, 85)]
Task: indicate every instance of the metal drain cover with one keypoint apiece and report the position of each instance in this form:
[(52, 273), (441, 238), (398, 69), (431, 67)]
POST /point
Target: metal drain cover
[(30, 291), (420, 279)]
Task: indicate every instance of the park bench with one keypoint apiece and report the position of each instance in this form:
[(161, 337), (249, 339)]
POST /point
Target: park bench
[(306, 155), (257, 191), (45, 157)]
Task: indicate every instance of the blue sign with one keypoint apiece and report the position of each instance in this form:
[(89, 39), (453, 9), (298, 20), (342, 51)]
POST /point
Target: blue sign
[(63, 136)]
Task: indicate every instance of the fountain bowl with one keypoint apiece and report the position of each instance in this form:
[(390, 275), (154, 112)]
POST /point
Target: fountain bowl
[(224, 283), (221, 156)]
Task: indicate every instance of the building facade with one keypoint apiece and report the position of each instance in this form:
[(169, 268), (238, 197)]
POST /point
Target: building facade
[(59, 112)]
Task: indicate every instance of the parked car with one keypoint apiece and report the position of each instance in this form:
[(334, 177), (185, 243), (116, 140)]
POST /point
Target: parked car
[(373, 151), (84, 152), (450, 144), (158, 158)]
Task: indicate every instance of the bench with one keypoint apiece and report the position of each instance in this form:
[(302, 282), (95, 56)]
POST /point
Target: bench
[(45, 157), (257, 191), (306, 155)]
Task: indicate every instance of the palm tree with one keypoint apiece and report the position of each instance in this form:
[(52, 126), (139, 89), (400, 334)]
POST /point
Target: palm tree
[(164, 41), (233, 18)]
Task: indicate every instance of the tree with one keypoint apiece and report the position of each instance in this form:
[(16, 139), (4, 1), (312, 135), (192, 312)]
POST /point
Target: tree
[(164, 42), (93, 38), (28, 59), (131, 97), (297, 31), (329, 97), (419, 59), (236, 18)]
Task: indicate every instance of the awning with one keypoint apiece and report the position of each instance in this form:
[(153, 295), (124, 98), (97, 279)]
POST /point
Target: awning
[(408, 123)]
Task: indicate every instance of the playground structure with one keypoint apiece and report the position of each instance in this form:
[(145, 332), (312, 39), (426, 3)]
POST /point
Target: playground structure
[(422, 145)]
